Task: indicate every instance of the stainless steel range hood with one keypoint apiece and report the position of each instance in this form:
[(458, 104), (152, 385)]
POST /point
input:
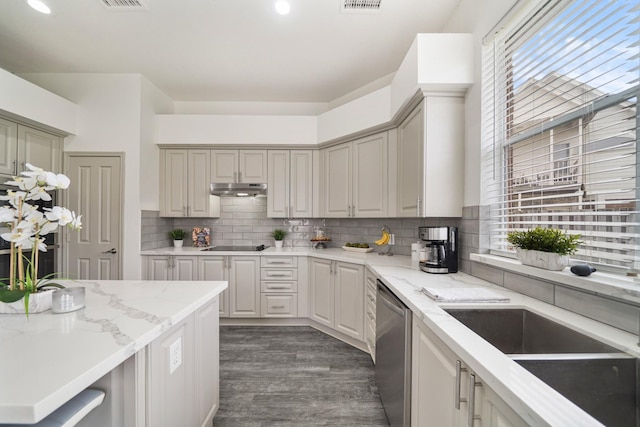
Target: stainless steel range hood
[(238, 189)]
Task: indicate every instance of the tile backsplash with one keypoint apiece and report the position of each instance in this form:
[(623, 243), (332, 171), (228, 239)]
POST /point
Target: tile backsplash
[(244, 221)]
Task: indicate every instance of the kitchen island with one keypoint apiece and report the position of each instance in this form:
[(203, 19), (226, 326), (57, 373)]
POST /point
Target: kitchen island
[(120, 343)]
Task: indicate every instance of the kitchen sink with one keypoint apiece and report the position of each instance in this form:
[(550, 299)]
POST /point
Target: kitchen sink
[(598, 378), (519, 331), (604, 387)]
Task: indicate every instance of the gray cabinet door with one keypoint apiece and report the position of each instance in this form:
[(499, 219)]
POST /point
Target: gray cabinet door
[(170, 395)]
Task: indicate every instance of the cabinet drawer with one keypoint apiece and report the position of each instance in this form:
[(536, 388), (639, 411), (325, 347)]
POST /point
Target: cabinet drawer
[(279, 261), (277, 286), (279, 274), (279, 305)]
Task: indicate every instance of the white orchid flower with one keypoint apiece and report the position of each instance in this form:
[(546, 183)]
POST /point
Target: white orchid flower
[(47, 228), (20, 234), (63, 215), (6, 214), (32, 241), (76, 223), (24, 184), (38, 193), (57, 182)]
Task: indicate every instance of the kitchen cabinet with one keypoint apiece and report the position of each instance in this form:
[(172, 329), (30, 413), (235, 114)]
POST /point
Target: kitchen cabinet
[(370, 313), (355, 178), (247, 166), (242, 297), (212, 267), (244, 286), (279, 286), (20, 145), (337, 296), (183, 372), (290, 184), (207, 363), (185, 178), (430, 152), (171, 267), (446, 392)]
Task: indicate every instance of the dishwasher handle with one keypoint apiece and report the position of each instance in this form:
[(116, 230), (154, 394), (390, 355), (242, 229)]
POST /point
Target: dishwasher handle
[(390, 300)]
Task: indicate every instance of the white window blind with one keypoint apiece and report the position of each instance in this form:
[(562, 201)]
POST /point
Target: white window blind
[(560, 88)]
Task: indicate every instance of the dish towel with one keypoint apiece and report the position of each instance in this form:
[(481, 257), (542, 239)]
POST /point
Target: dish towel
[(464, 295)]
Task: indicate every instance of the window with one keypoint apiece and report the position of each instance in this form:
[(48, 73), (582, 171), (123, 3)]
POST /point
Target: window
[(560, 88)]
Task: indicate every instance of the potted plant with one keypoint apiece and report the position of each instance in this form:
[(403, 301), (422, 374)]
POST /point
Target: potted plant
[(546, 248), (27, 225), (279, 235), (178, 236)]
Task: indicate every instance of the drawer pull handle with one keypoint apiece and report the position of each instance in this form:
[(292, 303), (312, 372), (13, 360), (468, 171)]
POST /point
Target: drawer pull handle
[(278, 287), (278, 275), (277, 306), (459, 370), (276, 262)]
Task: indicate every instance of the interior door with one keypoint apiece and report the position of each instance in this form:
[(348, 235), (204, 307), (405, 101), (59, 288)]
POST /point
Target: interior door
[(93, 253)]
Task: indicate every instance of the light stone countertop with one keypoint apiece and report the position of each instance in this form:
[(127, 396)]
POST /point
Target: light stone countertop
[(48, 358), (533, 400)]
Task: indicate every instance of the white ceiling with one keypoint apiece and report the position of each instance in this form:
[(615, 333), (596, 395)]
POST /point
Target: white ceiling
[(221, 50)]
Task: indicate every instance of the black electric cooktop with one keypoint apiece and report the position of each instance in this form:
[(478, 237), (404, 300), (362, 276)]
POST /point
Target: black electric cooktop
[(236, 248)]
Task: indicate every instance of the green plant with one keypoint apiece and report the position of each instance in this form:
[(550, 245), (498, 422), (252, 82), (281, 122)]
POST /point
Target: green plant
[(278, 234), (545, 240), (177, 234)]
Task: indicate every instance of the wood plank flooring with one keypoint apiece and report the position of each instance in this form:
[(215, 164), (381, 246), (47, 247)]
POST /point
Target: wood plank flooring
[(294, 376)]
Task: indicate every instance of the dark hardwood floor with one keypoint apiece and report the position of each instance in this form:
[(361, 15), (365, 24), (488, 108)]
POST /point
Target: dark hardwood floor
[(294, 376)]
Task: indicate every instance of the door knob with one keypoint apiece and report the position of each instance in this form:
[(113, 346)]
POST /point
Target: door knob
[(111, 251)]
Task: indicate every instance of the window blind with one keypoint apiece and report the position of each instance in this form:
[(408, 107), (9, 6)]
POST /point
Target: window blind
[(559, 119)]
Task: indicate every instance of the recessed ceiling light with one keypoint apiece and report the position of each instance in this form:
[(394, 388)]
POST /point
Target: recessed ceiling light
[(283, 7), (39, 6)]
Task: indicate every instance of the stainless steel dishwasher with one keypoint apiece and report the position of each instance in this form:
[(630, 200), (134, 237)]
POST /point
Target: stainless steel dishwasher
[(393, 356)]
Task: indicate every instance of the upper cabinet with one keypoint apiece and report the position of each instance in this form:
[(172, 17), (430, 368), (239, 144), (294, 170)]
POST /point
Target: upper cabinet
[(247, 166), (356, 178), (290, 184), (431, 159), (20, 145), (185, 183)]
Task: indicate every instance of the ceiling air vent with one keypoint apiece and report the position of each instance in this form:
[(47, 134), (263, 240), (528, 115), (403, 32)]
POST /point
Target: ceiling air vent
[(360, 6), (123, 4)]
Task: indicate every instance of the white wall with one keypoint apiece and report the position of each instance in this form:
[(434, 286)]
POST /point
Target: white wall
[(154, 102), (476, 17), (235, 129), (24, 100), (109, 108)]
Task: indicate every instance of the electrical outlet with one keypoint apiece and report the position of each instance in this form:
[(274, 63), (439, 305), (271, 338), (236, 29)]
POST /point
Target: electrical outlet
[(175, 355)]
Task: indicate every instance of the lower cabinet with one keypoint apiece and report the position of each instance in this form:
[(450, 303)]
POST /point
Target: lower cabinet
[(171, 267), (279, 286), (183, 368), (240, 299), (215, 268), (244, 286), (445, 392), (337, 296)]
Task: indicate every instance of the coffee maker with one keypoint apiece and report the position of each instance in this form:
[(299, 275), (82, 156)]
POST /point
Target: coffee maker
[(441, 249)]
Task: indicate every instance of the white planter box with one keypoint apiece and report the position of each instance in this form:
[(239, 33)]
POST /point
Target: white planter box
[(38, 303), (546, 260)]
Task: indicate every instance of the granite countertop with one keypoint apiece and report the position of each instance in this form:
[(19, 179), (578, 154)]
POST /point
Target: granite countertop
[(530, 398), (48, 358)]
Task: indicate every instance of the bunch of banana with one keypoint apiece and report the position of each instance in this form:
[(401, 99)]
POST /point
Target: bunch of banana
[(384, 239)]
